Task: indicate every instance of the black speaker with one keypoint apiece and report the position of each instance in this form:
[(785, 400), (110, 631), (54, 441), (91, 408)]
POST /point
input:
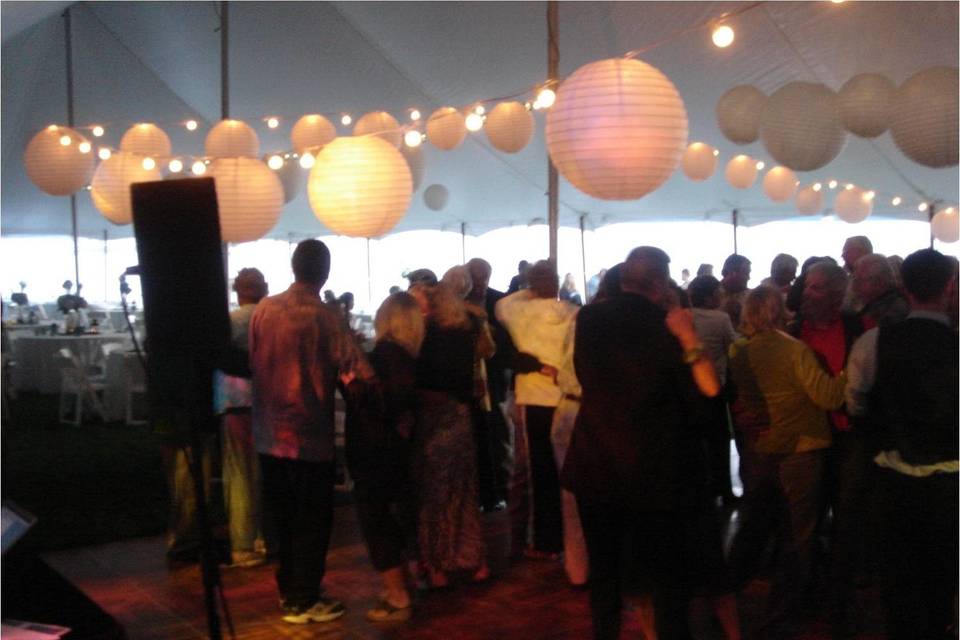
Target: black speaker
[(177, 227)]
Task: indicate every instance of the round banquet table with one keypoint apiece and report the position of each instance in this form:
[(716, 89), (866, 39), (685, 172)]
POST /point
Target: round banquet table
[(38, 367)]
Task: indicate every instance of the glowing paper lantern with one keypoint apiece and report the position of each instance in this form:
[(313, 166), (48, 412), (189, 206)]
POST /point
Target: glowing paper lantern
[(923, 119), (699, 161), (382, 124), (946, 225), (249, 196), (509, 127), (436, 196), (415, 161), (865, 102), (360, 187), (617, 129), (291, 176), (312, 132), (446, 128), (232, 139), (738, 113), (853, 205), (56, 168), (800, 126), (110, 189), (780, 184), (809, 201), (146, 139), (741, 172)]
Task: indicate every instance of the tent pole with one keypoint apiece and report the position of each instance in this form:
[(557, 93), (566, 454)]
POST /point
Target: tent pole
[(583, 253), (931, 207), (735, 215), (369, 276), (68, 42), (105, 264), (553, 62), (224, 61), (463, 243)]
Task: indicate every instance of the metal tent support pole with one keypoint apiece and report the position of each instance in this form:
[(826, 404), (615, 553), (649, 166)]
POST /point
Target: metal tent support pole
[(735, 218), (553, 63), (583, 253), (68, 43), (463, 243), (105, 265), (931, 211), (369, 276)]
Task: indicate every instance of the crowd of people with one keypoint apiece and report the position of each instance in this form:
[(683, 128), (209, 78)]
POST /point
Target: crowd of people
[(838, 386)]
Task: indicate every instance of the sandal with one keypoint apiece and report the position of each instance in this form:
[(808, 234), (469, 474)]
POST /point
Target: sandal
[(386, 612)]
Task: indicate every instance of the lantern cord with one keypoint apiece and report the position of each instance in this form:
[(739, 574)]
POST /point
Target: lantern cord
[(682, 32)]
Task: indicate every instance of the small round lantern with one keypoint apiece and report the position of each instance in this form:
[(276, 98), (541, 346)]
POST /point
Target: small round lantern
[(146, 139), (249, 196), (780, 184), (110, 189), (360, 187), (57, 168), (699, 161), (232, 139), (809, 200), (382, 124), (312, 131), (853, 205), (738, 113), (946, 225), (800, 126), (923, 119), (617, 129), (741, 172), (446, 128), (291, 176), (509, 127), (865, 102), (415, 161), (435, 197)]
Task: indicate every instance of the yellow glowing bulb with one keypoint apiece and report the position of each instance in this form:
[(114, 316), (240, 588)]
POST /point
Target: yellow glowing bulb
[(104, 153), (65, 141), (474, 122), (870, 195), (198, 168), (832, 184), (716, 152), (175, 166), (275, 163), (346, 119), (149, 164), (536, 105), (723, 36), (307, 160), (97, 131), (922, 207), (84, 147), (546, 97), (415, 115), (191, 125), (273, 123), (52, 127), (479, 110), (849, 186), (896, 201), (817, 186), (761, 165), (413, 138)]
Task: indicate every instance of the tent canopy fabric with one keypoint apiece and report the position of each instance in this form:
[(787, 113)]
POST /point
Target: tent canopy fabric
[(160, 62)]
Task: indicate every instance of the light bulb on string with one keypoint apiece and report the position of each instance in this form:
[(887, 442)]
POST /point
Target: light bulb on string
[(817, 186), (474, 122), (761, 165), (716, 153), (922, 206), (84, 147), (479, 110), (149, 164), (273, 122), (415, 114), (832, 184), (175, 166), (97, 131), (413, 138), (198, 168), (546, 97), (191, 125), (65, 141), (307, 160), (870, 195), (275, 163), (723, 36), (346, 120), (104, 153), (849, 186), (896, 201)]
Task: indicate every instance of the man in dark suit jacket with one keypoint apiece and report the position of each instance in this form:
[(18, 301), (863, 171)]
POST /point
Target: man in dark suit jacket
[(632, 462)]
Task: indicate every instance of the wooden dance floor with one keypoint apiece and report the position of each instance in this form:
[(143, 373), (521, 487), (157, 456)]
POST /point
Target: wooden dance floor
[(528, 600)]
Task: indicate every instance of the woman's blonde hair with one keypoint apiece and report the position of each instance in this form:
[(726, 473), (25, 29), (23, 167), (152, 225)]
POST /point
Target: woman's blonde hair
[(447, 308), (399, 320), (762, 311)]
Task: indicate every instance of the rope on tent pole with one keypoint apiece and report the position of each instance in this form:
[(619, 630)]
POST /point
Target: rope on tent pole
[(553, 63)]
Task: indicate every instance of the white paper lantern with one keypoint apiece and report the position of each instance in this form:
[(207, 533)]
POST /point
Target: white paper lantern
[(617, 129), (738, 113), (435, 197), (865, 101), (800, 126), (146, 139), (509, 127), (56, 168), (780, 184), (853, 205), (446, 128), (946, 225), (809, 201), (312, 131), (923, 119), (360, 187), (232, 139), (416, 162), (382, 124), (110, 189), (291, 176), (249, 196), (741, 172), (699, 161)]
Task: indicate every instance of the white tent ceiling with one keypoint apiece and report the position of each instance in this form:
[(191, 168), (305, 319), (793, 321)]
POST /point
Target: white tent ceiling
[(160, 62)]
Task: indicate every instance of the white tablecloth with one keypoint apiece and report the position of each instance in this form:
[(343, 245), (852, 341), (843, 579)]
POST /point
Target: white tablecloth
[(37, 365)]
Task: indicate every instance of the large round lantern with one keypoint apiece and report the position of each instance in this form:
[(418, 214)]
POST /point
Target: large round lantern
[(865, 102), (55, 160), (923, 119), (110, 189), (617, 129), (741, 172), (415, 161), (853, 205), (381, 124), (780, 184), (312, 131), (146, 139), (232, 139), (699, 161), (249, 196), (360, 187), (809, 200), (509, 127), (291, 175), (446, 128), (738, 113), (946, 225), (800, 126), (435, 197)]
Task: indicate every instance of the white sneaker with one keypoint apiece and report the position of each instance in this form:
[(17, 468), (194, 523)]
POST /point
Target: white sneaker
[(324, 610)]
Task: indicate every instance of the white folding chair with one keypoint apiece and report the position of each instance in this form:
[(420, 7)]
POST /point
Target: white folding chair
[(136, 382), (77, 390)]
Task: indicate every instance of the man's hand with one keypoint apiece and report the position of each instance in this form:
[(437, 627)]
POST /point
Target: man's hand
[(680, 323)]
